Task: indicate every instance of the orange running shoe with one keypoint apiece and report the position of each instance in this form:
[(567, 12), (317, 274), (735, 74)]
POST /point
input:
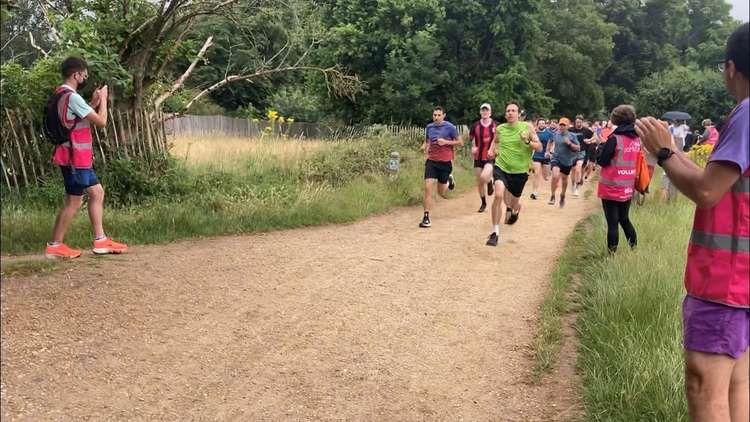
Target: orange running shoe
[(61, 250), (107, 245)]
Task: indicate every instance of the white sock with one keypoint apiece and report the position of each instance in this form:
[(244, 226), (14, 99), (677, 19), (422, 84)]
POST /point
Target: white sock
[(496, 229)]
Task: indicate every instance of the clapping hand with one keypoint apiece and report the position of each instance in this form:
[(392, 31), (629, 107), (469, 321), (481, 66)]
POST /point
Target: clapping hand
[(654, 134)]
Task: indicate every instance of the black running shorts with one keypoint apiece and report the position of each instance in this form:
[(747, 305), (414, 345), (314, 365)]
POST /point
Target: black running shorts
[(481, 163), (514, 182), (439, 170)]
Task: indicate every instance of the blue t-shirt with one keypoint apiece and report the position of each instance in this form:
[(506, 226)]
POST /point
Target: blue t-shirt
[(563, 153), (544, 137), (445, 130), (77, 106)]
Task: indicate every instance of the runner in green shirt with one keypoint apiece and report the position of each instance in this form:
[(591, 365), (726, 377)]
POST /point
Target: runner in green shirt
[(516, 142)]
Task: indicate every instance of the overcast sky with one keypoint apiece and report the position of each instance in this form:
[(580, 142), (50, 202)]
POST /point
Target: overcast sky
[(740, 9)]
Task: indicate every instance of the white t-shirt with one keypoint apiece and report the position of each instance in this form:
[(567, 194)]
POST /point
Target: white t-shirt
[(681, 131)]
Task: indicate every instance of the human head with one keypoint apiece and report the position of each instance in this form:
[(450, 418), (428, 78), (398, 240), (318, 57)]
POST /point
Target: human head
[(511, 111), (541, 124), (623, 114), (579, 121), (438, 114), (737, 62), (707, 123), (74, 70), (522, 115), (564, 124), (485, 110)]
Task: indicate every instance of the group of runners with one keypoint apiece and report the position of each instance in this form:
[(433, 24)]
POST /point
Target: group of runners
[(506, 154)]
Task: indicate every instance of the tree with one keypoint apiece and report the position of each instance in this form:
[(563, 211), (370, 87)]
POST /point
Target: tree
[(699, 92), (577, 51)]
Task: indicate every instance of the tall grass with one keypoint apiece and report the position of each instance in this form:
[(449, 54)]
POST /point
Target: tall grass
[(630, 322), (226, 152), (233, 188)]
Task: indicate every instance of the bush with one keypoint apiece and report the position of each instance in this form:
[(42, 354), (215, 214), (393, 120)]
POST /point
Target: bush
[(700, 153)]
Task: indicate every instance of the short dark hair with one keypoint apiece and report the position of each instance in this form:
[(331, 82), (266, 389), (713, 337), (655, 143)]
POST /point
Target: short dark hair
[(439, 108), (623, 114), (72, 65), (580, 116), (518, 106), (737, 49)]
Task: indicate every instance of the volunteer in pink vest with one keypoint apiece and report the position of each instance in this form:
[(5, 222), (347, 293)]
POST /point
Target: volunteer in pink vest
[(716, 317), (76, 161), (710, 134), (617, 157)]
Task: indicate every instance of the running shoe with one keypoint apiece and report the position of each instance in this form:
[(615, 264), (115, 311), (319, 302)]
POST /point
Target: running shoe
[(451, 182), (492, 240), (533, 196), (513, 217), (107, 246), (483, 207), (551, 201), (562, 201), (61, 250), (490, 188), (575, 191), (425, 222)]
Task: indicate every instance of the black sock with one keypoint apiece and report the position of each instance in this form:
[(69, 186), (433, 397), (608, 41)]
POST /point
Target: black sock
[(484, 200)]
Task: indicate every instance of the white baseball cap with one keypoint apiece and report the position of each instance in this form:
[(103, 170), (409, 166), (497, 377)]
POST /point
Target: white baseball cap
[(486, 105)]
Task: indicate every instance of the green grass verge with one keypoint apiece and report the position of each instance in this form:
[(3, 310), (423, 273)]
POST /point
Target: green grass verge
[(253, 199), (630, 324), (31, 266), (556, 304), (629, 320)]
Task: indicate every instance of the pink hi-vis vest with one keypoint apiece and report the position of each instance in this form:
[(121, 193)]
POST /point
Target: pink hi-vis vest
[(80, 137), (718, 262), (713, 136), (617, 180)]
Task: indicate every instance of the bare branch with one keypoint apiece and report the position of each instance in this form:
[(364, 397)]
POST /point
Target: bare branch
[(181, 80), (170, 54), (338, 82), (53, 30), (33, 44), (9, 41)]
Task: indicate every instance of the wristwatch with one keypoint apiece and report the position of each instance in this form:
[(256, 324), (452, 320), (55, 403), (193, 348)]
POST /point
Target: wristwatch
[(662, 155)]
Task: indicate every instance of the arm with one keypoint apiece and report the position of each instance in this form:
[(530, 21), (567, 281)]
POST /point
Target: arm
[(99, 117), (608, 150), (704, 187), (534, 142)]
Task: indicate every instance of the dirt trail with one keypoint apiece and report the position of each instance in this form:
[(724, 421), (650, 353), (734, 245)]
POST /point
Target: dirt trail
[(377, 320)]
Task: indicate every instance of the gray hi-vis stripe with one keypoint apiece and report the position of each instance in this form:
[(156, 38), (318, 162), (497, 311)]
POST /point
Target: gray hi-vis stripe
[(742, 185), (605, 181), (723, 242), (85, 145), (619, 161)]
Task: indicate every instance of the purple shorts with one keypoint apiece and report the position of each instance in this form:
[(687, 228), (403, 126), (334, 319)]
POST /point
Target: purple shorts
[(714, 328)]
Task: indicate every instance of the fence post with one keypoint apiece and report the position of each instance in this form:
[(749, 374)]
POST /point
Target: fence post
[(35, 141), (18, 148)]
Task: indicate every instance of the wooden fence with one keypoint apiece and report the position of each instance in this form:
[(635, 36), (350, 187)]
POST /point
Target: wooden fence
[(26, 153), (218, 126)]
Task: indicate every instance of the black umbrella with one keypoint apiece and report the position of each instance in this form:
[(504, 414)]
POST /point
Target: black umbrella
[(676, 115)]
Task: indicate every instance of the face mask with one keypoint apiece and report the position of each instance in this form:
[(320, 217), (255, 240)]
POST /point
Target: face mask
[(82, 84)]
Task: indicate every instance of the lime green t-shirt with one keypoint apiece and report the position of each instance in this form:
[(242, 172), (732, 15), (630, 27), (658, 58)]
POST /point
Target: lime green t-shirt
[(514, 155)]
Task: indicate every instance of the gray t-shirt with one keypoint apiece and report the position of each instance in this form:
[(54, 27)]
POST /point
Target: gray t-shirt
[(563, 153)]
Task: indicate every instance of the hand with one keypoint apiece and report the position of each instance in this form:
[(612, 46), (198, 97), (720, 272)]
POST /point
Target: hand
[(654, 134), (95, 98), (442, 142), (103, 94), (474, 152), (491, 154)]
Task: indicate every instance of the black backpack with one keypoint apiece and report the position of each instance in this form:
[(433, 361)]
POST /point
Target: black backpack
[(56, 132)]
